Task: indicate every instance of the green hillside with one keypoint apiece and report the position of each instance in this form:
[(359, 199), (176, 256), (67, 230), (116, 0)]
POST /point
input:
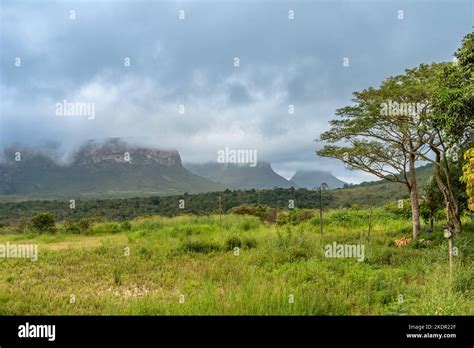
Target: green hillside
[(379, 192)]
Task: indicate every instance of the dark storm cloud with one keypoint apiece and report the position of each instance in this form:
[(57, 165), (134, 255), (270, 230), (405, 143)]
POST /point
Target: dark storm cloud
[(190, 62)]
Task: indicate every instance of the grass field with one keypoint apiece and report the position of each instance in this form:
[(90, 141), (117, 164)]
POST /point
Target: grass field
[(189, 265)]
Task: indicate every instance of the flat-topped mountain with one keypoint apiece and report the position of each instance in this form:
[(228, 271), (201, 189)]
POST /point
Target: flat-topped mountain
[(117, 168), (99, 168), (115, 150)]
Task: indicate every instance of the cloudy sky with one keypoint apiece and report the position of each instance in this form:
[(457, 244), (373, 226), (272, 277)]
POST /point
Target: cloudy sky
[(76, 51)]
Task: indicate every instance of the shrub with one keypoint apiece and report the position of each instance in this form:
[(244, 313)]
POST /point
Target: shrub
[(232, 242), (249, 243), (236, 242), (82, 226), (106, 227), (126, 226), (22, 225), (43, 222), (71, 226), (404, 211), (144, 252), (200, 247), (246, 225), (294, 216), (191, 229), (249, 224), (117, 277), (261, 210), (272, 216)]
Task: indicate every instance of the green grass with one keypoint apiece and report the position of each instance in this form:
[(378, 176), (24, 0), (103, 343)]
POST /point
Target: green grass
[(197, 257)]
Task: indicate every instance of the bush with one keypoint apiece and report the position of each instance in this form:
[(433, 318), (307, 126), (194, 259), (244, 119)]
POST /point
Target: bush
[(261, 211), (200, 247), (404, 211), (232, 242), (126, 226), (249, 243), (82, 226), (272, 216), (236, 242), (294, 216), (105, 228), (249, 224), (43, 222), (22, 225), (117, 277), (70, 226), (144, 252)]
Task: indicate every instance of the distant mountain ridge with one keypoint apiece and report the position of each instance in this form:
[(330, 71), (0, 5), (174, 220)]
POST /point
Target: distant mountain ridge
[(314, 178), (114, 167), (235, 176)]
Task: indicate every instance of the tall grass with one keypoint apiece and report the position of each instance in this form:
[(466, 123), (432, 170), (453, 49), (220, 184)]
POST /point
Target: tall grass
[(238, 265)]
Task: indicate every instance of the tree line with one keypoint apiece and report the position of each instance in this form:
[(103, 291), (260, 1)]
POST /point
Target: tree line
[(129, 208)]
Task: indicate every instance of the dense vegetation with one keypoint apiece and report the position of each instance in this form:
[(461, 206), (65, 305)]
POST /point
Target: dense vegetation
[(237, 264), (122, 209)]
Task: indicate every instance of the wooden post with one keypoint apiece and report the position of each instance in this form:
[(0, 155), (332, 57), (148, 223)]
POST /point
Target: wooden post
[(451, 249), (321, 210), (448, 233), (220, 209), (370, 222)]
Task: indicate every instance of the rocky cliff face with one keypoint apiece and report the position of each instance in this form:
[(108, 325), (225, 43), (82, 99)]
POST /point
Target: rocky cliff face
[(110, 168), (117, 151)]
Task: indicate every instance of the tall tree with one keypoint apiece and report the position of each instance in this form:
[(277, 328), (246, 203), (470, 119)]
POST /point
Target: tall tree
[(452, 123), (385, 132)]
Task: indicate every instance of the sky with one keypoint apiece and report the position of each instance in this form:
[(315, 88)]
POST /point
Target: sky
[(181, 89)]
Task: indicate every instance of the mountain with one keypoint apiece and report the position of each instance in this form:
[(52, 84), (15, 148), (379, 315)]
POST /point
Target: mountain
[(312, 179), (100, 168), (234, 176), (115, 168)]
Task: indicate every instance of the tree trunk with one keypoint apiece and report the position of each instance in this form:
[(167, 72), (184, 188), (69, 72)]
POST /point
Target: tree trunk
[(415, 205), (453, 201), (321, 210), (457, 223), (452, 205)]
